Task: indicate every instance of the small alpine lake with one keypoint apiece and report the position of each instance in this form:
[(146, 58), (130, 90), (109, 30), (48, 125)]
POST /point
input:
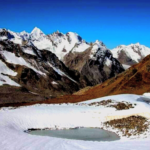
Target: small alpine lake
[(86, 134)]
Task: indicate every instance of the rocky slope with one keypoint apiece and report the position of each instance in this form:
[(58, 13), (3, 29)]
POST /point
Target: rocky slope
[(39, 72), (135, 80), (96, 63), (51, 65), (131, 54)]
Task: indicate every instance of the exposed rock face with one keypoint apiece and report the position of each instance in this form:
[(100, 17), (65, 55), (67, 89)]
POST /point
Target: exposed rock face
[(55, 64), (96, 63), (40, 72), (135, 80)]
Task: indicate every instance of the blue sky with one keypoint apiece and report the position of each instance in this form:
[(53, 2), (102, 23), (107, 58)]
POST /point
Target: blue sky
[(113, 22)]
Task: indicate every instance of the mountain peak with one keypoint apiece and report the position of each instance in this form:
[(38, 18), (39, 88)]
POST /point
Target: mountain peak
[(36, 30), (37, 34), (24, 32), (136, 44)]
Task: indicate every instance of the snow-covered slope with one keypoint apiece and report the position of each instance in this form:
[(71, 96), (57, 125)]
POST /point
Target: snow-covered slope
[(4, 75), (61, 44), (40, 40), (57, 42), (35, 70), (131, 54), (13, 123), (100, 61), (64, 43)]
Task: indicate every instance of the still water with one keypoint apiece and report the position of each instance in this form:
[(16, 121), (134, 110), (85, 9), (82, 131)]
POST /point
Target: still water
[(86, 134)]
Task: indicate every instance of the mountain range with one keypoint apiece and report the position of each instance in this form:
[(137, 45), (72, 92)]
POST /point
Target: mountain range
[(35, 66), (131, 54)]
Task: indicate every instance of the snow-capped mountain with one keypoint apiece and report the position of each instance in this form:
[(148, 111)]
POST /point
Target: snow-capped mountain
[(131, 54), (58, 43), (39, 72), (96, 63), (93, 61)]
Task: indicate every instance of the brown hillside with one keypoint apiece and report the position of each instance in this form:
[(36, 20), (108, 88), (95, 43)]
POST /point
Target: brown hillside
[(135, 80)]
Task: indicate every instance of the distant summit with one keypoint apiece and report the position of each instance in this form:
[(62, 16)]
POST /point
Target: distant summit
[(131, 54)]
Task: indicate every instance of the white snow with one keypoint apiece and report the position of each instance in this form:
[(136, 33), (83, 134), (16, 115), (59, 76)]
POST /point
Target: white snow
[(17, 39), (58, 43), (36, 33), (98, 45), (81, 48), (61, 44), (40, 40), (61, 73), (147, 94), (28, 51), (14, 121), (135, 52), (43, 44), (53, 82), (146, 97), (3, 38), (13, 59), (108, 62), (126, 66), (4, 71), (24, 35), (64, 44)]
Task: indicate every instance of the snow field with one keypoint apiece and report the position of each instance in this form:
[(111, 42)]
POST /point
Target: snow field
[(14, 121)]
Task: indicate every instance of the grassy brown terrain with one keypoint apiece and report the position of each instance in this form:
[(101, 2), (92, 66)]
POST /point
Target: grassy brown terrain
[(135, 80)]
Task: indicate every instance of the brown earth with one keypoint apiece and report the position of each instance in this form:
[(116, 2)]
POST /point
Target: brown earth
[(17, 95), (135, 80)]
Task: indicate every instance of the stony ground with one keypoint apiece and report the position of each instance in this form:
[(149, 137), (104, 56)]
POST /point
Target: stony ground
[(111, 103), (134, 125)]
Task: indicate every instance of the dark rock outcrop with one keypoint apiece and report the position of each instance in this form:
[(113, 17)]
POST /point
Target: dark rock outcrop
[(47, 76), (96, 67)]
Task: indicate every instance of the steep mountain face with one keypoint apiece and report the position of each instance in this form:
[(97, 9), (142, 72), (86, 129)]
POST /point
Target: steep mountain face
[(58, 43), (39, 72), (135, 80), (52, 65), (95, 63), (131, 54)]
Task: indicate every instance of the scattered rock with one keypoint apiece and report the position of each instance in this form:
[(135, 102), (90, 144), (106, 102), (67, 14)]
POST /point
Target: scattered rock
[(115, 104), (134, 125), (122, 106), (104, 103)]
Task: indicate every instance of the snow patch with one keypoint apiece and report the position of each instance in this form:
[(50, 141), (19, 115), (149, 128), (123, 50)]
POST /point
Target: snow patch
[(4, 71), (28, 51), (14, 121), (53, 82), (13, 59), (61, 73)]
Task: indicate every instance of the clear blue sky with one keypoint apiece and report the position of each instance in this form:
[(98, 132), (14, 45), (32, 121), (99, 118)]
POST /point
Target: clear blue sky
[(114, 22)]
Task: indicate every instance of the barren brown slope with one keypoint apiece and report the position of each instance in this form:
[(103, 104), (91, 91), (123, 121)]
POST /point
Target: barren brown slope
[(135, 80)]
